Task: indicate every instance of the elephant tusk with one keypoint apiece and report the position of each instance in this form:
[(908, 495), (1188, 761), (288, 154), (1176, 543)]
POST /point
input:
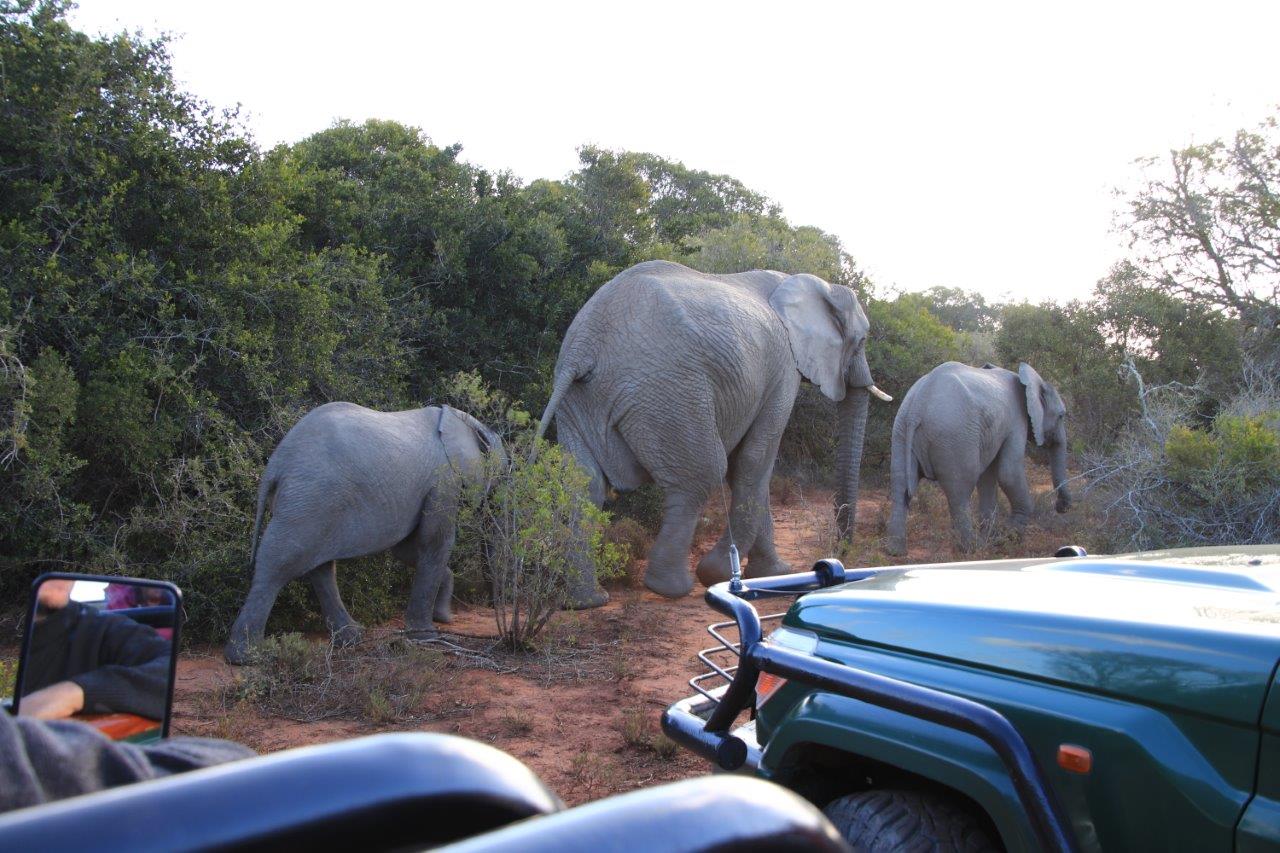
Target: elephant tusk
[(880, 394)]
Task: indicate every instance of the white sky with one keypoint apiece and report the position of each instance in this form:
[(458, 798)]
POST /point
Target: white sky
[(963, 144)]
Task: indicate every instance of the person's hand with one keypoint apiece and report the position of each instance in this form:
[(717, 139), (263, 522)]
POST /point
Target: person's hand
[(55, 702)]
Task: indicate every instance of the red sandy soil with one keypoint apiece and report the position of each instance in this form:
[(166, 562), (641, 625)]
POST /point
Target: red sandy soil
[(582, 713)]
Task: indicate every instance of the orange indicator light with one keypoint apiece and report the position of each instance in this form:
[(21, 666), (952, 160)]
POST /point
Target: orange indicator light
[(1076, 759), (766, 686)]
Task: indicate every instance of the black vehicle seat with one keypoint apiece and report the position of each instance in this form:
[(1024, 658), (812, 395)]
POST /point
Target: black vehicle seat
[(385, 792)]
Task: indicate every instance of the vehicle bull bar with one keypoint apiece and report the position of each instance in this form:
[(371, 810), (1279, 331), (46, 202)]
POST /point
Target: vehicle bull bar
[(712, 739)]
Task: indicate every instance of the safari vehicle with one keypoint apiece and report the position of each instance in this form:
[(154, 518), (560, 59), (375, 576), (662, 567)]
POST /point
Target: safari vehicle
[(403, 791), (1070, 703)]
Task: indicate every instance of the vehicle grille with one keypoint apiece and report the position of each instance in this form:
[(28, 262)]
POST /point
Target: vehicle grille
[(721, 659)]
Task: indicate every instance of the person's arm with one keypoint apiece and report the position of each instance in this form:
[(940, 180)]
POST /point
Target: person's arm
[(45, 761), (134, 673)]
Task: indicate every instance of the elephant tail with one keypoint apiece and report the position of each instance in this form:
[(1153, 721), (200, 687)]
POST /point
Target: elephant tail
[(566, 375), (266, 492), (902, 456)]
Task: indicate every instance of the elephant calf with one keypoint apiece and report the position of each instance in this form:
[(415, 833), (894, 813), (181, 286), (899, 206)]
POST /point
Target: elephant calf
[(967, 427), (347, 481)]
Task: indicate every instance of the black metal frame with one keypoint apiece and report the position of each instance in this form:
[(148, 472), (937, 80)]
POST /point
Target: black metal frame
[(173, 653), (712, 740)]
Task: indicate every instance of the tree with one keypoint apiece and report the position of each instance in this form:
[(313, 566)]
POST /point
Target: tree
[(1206, 227), (962, 310)]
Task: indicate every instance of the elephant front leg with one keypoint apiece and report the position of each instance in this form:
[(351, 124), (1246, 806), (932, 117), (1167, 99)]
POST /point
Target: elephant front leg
[(324, 581), (434, 543), (1012, 475)]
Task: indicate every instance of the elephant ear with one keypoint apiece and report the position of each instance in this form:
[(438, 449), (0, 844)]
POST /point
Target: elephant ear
[(814, 314), (1035, 399)]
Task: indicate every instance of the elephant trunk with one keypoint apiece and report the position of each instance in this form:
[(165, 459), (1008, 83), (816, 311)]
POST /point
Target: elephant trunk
[(1058, 465), (852, 422)]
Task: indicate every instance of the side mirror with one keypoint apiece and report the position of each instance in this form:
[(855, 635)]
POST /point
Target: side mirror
[(101, 650)]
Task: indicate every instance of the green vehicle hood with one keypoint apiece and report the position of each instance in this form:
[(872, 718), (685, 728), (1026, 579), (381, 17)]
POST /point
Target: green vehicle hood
[(1192, 629)]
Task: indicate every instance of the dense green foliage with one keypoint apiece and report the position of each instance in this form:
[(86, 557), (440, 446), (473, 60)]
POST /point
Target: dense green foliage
[(173, 298)]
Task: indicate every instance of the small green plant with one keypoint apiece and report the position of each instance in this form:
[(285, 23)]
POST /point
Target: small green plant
[(539, 534), (517, 723), (640, 732), (8, 672)]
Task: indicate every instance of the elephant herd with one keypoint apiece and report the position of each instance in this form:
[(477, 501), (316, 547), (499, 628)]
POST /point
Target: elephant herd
[(666, 375)]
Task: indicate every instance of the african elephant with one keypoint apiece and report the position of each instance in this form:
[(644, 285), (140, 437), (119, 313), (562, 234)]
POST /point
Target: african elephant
[(347, 481), (967, 427), (681, 377)]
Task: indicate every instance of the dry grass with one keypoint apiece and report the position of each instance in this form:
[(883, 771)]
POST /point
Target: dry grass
[(380, 681)]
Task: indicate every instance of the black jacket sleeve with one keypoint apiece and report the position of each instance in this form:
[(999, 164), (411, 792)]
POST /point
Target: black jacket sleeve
[(134, 671), (45, 761)]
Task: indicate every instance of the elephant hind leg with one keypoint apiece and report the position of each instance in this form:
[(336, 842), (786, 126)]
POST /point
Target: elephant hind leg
[(987, 500), (443, 611), (276, 564), (251, 623), (750, 522), (958, 495), (901, 488), (324, 581), (586, 591), (668, 570)]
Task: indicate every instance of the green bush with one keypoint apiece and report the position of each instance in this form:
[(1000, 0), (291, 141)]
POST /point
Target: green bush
[(1239, 456), (534, 523)]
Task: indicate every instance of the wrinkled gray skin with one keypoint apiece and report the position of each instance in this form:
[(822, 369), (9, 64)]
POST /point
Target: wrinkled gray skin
[(967, 427), (680, 377), (347, 481)]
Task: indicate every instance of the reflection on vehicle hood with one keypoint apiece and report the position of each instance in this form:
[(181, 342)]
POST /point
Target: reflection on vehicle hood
[(1197, 629)]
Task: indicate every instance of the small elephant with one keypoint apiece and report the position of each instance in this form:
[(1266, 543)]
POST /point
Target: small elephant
[(967, 427), (676, 376), (348, 481)]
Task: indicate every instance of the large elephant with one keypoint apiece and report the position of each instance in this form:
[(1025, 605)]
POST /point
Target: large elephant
[(680, 377), (967, 427), (347, 481)]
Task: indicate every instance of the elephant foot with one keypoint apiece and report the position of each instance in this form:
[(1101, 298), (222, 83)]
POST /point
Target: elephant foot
[(236, 653), (761, 567), (443, 614), (896, 547), (348, 635), (422, 634), (596, 597), (714, 568), (671, 584)]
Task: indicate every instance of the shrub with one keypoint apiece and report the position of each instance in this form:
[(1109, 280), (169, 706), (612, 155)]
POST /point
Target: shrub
[(644, 505), (1171, 482), (635, 540), (537, 529)]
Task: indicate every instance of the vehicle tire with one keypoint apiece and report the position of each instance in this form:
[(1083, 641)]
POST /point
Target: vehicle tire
[(881, 820)]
